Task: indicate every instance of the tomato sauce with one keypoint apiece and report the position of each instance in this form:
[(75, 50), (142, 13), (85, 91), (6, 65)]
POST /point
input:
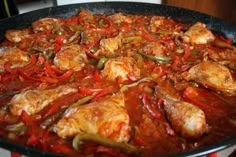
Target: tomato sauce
[(166, 65)]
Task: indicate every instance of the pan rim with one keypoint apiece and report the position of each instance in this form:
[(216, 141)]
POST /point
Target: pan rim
[(35, 152)]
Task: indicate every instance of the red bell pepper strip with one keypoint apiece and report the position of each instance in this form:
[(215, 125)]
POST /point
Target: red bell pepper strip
[(66, 75), (57, 48), (154, 113), (186, 52), (48, 69), (8, 68), (192, 95), (33, 139), (100, 94), (57, 71), (62, 149), (36, 70), (91, 55), (60, 39), (33, 61), (185, 67), (21, 73), (50, 72), (14, 154), (110, 24), (52, 110)]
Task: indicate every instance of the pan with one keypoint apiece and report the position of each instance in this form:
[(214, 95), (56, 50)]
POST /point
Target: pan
[(224, 28)]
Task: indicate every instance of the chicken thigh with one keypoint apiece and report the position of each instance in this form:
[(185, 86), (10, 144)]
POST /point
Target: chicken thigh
[(198, 34), (106, 117), (213, 75), (17, 57)]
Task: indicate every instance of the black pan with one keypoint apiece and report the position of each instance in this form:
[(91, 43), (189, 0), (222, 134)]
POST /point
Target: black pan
[(187, 16)]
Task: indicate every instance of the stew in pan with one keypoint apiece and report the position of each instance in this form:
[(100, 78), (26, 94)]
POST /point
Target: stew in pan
[(116, 85)]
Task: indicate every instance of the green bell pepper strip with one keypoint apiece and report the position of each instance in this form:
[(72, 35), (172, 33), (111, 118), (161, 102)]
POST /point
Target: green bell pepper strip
[(157, 59), (125, 147), (145, 79), (101, 62)]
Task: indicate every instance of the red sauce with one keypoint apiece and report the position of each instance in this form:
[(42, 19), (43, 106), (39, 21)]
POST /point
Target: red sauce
[(151, 129)]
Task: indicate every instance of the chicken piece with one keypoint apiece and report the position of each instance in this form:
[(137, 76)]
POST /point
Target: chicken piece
[(213, 75), (46, 24), (71, 57), (156, 22), (119, 18), (198, 34), (16, 36), (17, 57), (186, 118), (110, 46), (90, 37), (106, 117), (33, 101), (154, 49), (122, 67)]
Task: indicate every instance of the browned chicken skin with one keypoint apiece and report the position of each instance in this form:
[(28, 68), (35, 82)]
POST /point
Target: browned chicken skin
[(106, 117), (17, 57), (16, 36), (120, 67), (186, 118), (71, 57), (33, 101), (156, 22), (110, 46), (198, 34), (213, 75), (46, 24), (154, 49)]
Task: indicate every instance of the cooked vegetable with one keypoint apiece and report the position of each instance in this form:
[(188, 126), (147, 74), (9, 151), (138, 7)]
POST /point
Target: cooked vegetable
[(223, 44), (158, 59), (101, 62), (145, 79), (112, 85), (78, 139)]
